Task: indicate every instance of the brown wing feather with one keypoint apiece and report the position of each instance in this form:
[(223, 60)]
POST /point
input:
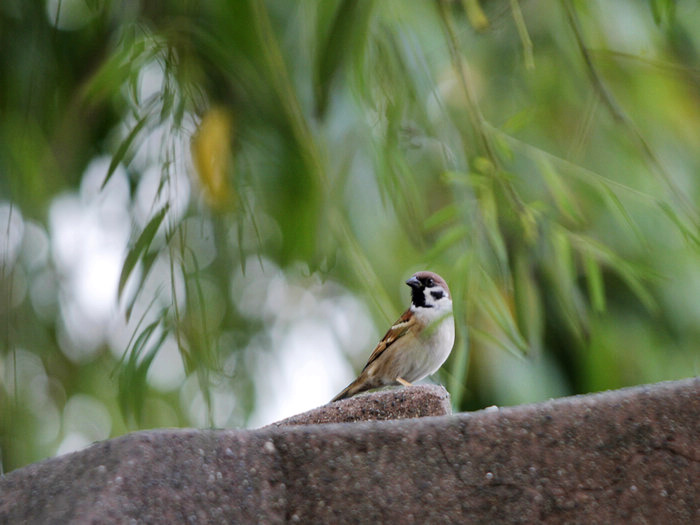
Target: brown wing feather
[(399, 328)]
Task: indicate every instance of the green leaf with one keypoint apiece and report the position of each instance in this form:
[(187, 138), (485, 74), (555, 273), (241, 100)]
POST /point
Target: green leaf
[(563, 259), (494, 305), (631, 274), (490, 216), (563, 198), (442, 217), (663, 11), (564, 274), (448, 239), (523, 33), (594, 279), (528, 308), (620, 208), (504, 343), (461, 285), (116, 70), (140, 247), (123, 148), (475, 14), (349, 27), (459, 368), (687, 233), (147, 261), (133, 373)]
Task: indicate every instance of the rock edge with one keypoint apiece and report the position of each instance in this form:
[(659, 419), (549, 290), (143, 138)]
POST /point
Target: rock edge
[(626, 456)]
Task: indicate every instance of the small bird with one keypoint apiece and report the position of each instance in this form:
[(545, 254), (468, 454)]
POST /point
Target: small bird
[(417, 344)]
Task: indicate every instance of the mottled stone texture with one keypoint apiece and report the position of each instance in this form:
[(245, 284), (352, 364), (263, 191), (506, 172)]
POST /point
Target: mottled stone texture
[(398, 403), (628, 456)]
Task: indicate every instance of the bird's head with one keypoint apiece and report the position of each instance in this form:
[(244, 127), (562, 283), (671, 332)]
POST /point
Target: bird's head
[(429, 290)]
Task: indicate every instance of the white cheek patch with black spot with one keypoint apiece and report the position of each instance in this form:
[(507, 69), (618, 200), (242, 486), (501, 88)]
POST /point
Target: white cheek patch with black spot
[(437, 294)]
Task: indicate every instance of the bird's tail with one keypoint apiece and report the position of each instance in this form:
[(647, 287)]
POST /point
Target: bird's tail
[(354, 388)]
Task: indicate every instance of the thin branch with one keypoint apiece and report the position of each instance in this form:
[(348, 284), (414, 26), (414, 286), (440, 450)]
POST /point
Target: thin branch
[(523, 33)]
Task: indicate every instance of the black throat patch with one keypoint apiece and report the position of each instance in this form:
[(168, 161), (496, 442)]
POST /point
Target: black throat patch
[(418, 298)]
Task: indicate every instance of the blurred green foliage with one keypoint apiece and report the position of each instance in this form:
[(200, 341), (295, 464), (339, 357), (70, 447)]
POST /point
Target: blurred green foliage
[(542, 156)]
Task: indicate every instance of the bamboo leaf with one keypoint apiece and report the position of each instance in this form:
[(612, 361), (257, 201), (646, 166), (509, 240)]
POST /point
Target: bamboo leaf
[(663, 11), (632, 275), (495, 306), (448, 239), (123, 148), (147, 263), (594, 279), (564, 274), (349, 27), (523, 33), (528, 308), (563, 198), (462, 284), (505, 344), (475, 14), (689, 235), (115, 70), (489, 213), (133, 374), (140, 247), (620, 208), (459, 368), (442, 217)]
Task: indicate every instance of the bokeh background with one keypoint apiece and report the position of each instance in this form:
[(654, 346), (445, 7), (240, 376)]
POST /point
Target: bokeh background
[(208, 209)]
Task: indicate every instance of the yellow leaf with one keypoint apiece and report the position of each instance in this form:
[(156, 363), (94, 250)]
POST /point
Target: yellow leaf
[(475, 14), (212, 156)]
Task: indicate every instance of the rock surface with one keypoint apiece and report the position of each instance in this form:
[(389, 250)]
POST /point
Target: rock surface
[(628, 456), (399, 403)]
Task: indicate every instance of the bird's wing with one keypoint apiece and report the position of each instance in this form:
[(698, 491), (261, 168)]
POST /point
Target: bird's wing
[(398, 329)]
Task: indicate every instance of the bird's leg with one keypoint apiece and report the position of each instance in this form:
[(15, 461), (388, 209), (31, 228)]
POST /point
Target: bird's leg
[(403, 381)]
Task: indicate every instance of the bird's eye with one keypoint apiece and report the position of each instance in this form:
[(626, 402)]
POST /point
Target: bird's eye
[(429, 282)]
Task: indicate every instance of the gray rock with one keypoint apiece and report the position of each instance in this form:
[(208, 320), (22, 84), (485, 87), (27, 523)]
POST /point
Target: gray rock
[(628, 456), (398, 403)]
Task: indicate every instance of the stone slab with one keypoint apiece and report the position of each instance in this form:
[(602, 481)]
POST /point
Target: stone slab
[(626, 456), (397, 403)]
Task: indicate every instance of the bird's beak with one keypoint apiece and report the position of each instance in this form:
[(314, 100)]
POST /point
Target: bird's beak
[(413, 282)]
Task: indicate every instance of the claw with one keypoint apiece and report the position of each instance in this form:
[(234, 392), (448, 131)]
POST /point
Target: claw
[(403, 381)]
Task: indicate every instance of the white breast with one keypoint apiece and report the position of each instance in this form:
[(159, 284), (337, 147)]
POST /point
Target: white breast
[(432, 348)]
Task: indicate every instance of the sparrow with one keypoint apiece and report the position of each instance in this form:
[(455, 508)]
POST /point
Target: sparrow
[(417, 344)]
